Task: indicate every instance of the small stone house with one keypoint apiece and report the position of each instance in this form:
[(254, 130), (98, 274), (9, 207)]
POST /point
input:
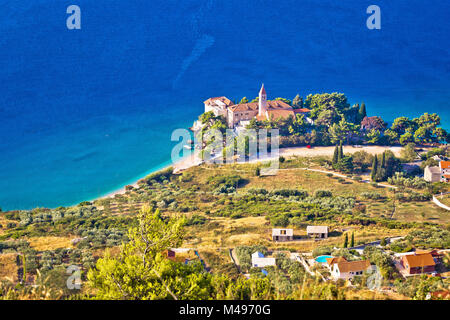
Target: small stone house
[(432, 174), (436, 174), (282, 234), (320, 232)]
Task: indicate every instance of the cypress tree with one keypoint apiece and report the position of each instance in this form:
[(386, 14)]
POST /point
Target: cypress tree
[(362, 112), (381, 174), (335, 156), (346, 241), (352, 241), (374, 168), (341, 151)]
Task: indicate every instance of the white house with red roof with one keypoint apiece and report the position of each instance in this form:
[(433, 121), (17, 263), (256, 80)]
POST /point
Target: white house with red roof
[(349, 269), (438, 173), (218, 105), (445, 171)]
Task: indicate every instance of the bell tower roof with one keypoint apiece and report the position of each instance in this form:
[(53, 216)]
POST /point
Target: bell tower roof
[(263, 90)]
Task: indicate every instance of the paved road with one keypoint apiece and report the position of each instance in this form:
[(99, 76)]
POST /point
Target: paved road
[(373, 243)]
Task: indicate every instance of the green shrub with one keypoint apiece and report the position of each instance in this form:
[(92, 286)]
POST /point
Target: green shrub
[(11, 225), (186, 177), (196, 219), (372, 195), (322, 194), (412, 196), (289, 193), (257, 191), (399, 179), (320, 251), (159, 176)]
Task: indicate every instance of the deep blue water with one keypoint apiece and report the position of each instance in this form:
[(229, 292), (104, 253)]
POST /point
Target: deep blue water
[(84, 112)]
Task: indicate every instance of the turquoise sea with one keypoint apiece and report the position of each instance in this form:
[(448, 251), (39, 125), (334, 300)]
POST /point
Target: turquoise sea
[(85, 112)]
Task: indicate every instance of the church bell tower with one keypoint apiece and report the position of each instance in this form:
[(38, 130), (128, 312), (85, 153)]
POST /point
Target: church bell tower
[(262, 101)]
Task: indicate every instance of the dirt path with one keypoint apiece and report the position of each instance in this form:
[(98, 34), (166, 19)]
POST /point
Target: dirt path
[(234, 259), (340, 175), (328, 151)]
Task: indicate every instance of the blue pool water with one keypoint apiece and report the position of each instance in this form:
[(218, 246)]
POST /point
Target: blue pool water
[(84, 112), (322, 259)]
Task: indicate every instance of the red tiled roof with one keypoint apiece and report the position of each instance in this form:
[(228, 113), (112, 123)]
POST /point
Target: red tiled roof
[(244, 107), (441, 294), (433, 252), (419, 260), (278, 104), (272, 104), (276, 114), (302, 110), (331, 261), (263, 90), (445, 164), (225, 100), (353, 265)]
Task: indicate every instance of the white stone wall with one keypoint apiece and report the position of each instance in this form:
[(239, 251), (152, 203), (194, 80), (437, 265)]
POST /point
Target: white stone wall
[(263, 262), (438, 203), (430, 176)]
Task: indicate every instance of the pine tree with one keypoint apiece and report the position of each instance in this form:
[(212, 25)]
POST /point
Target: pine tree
[(352, 241), (335, 156), (362, 112), (374, 168), (244, 100), (341, 151), (297, 101), (346, 241)]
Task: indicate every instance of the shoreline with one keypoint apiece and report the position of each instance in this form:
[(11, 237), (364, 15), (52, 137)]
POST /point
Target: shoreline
[(193, 160), (185, 162)]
